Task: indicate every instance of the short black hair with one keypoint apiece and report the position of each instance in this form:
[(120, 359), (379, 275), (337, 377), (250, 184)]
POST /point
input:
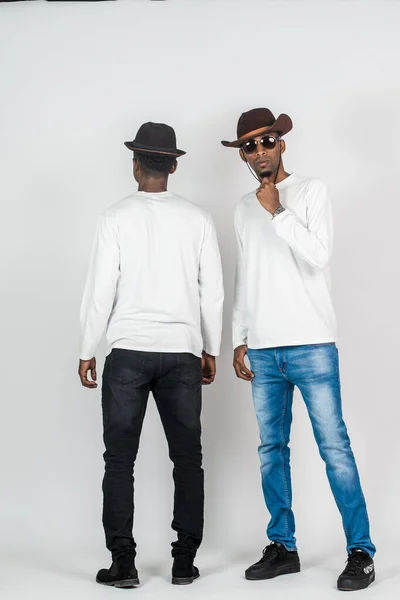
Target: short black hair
[(156, 164)]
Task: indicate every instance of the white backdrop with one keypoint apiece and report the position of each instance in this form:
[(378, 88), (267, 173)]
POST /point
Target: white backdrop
[(76, 82)]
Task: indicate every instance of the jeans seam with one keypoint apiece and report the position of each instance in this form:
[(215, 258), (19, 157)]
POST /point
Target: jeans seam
[(337, 368), (282, 457), (279, 367)]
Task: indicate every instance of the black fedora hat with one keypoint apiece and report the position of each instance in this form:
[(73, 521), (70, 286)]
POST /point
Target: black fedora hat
[(155, 138)]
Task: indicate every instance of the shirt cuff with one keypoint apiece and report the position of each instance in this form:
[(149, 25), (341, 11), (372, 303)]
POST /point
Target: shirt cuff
[(281, 216), (239, 342), (83, 357), (211, 351)]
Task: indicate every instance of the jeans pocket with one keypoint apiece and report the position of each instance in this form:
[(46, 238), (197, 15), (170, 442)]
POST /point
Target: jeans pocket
[(188, 370), (126, 366)]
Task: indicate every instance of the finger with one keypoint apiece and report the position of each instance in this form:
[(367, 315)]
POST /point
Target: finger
[(209, 377), (93, 373), (239, 374), (247, 376), (244, 369), (88, 384), (84, 379), (243, 372)]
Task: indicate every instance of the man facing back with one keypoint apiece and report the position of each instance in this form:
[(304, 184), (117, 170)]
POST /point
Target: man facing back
[(155, 285)]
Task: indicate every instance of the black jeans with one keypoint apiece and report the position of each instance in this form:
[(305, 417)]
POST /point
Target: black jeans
[(175, 381)]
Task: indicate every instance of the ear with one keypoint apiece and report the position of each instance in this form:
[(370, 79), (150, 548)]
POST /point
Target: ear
[(174, 168), (242, 155), (283, 146), (136, 168)]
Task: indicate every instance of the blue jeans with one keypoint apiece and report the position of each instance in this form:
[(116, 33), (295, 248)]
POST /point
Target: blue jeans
[(314, 369)]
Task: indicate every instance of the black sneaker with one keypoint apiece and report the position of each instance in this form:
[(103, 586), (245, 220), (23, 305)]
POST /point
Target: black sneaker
[(359, 572), (276, 560), (183, 570), (121, 574)]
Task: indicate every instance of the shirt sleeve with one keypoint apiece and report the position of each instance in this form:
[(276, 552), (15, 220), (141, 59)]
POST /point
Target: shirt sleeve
[(313, 242), (100, 288), (211, 291), (239, 327)]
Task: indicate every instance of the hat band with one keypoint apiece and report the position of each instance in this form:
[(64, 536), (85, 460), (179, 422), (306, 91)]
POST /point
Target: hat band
[(256, 132), (154, 148)]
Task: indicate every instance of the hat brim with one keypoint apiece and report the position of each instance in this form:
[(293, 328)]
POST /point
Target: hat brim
[(154, 150), (282, 125)]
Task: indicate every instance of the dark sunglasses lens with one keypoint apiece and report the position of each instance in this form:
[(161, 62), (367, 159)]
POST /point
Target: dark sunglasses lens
[(268, 142), (250, 147)]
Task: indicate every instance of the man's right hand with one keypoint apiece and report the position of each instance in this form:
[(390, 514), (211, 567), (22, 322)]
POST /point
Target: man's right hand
[(239, 365), (84, 367)]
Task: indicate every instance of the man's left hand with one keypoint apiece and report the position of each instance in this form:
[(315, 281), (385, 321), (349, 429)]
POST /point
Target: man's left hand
[(268, 195), (208, 368)]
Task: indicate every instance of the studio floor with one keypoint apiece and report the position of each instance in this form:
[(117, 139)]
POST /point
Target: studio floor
[(60, 575)]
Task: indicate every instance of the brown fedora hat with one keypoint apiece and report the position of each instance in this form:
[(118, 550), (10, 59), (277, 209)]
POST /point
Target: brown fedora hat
[(256, 122)]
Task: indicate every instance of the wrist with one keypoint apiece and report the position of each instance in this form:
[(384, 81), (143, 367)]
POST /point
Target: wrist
[(278, 210)]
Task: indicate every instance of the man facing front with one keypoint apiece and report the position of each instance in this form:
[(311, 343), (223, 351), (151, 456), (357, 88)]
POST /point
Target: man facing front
[(284, 321), (155, 283)]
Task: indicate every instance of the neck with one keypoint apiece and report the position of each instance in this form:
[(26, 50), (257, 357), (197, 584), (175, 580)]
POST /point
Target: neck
[(153, 185), (282, 174)]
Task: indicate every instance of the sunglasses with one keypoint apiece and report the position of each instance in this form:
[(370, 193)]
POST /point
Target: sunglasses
[(268, 142)]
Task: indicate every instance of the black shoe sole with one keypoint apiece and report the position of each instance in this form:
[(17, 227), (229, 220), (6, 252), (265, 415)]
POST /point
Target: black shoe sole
[(287, 570), (347, 585), (184, 580), (122, 583)]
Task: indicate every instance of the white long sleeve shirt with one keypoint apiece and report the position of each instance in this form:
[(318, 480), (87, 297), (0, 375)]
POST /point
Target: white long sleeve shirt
[(155, 278), (282, 287)]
